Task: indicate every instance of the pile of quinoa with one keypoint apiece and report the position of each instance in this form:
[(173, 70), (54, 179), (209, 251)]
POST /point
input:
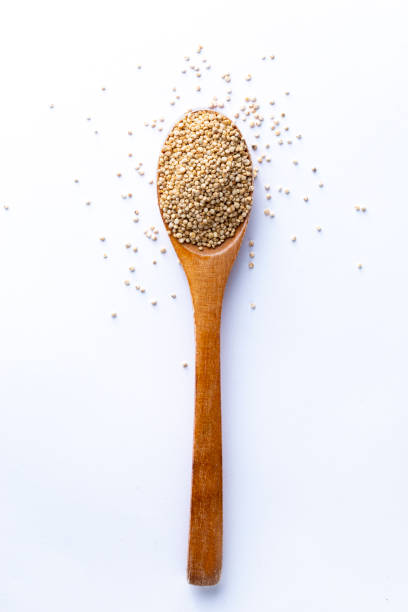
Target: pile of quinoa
[(205, 179)]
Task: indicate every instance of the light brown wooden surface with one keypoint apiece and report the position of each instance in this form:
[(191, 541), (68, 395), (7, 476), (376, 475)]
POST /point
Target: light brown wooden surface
[(207, 274)]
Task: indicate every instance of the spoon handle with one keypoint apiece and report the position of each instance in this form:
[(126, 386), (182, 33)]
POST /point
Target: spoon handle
[(205, 542)]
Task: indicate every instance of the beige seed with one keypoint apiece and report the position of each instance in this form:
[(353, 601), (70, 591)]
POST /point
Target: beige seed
[(293, 239), (184, 364), (252, 305), (127, 283), (251, 265), (252, 254), (251, 243), (153, 302), (114, 315)]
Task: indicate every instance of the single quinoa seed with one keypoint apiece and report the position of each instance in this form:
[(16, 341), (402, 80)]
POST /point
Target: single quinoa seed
[(205, 179)]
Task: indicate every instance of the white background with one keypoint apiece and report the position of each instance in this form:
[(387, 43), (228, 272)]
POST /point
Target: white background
[(97, 414)]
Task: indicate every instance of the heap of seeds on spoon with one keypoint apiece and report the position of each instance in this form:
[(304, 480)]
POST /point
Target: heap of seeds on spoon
[(204, 152), (204, 179)]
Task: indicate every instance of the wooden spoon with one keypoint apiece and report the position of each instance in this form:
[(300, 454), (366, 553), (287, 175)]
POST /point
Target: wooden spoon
[(207, 273)]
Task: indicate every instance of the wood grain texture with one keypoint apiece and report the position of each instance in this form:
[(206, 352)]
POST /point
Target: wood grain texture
[(207, 273)]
